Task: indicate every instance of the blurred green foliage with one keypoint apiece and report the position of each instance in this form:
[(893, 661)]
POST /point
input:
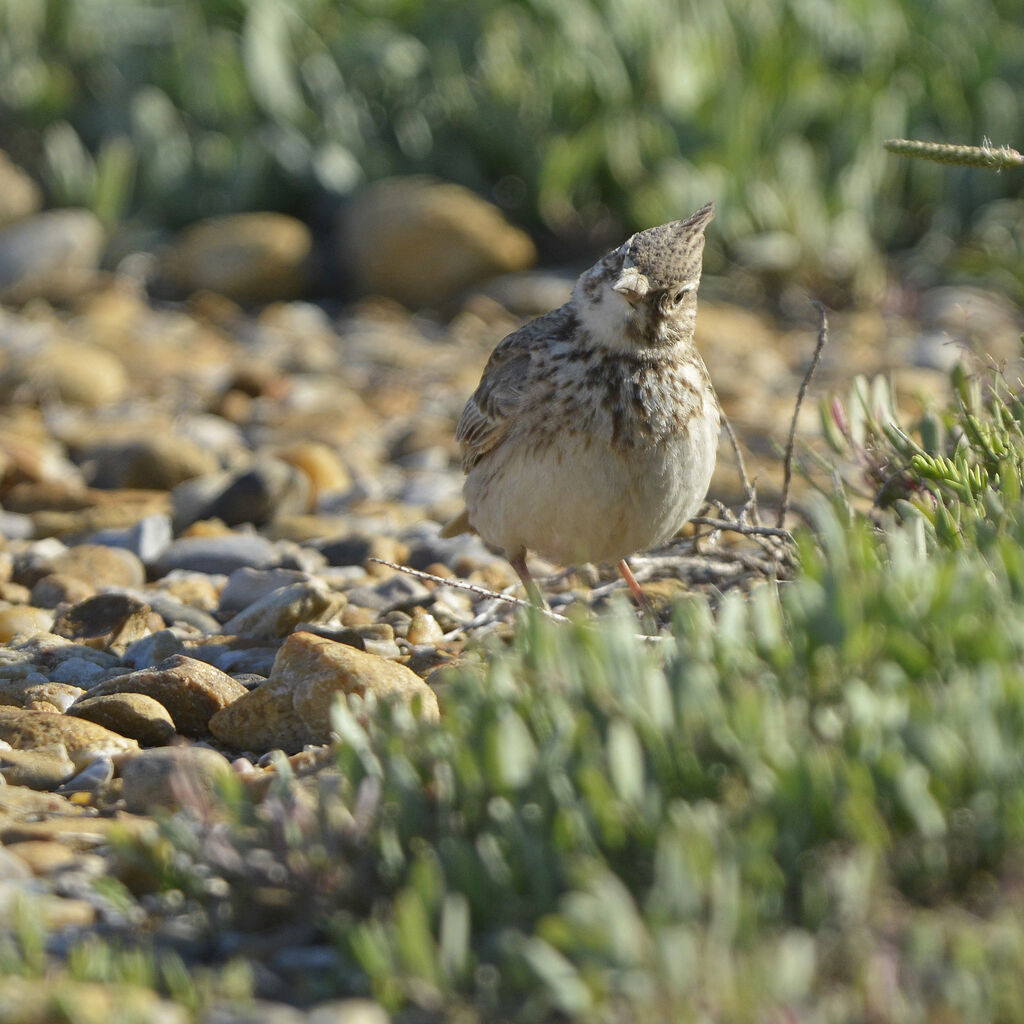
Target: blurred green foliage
[(810, 806), (577, 116)]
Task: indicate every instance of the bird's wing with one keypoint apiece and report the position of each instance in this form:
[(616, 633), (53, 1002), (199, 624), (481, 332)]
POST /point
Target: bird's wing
[(491, 410)]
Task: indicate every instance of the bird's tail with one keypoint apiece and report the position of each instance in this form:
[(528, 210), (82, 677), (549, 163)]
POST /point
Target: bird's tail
[(460, 524)]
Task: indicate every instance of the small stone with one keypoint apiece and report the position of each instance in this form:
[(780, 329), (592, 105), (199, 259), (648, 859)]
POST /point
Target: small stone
[(106, 621), (293, 707), (172, 777), (101, 566), (23, 619), (36, 769), (147, 539), (279, 612), (396, 591), (136, 715), (247, 257), (190, 690), (83, 741), (58, 589), (50, 255), (423, 242), (256, 495), (58, 695), (152, 649), (20, 196), (78, 672), (247, 586), (156, 463), (74, 372), (41, 856), (92, 778), (424, 628), (223, 554)]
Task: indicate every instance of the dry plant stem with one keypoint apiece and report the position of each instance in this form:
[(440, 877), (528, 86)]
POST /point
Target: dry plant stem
[(746, 529), (748, 487), (788, 465), (472, 588), (996, 158)]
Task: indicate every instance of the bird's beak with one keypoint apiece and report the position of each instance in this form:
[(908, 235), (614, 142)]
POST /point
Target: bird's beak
[(632, 286)]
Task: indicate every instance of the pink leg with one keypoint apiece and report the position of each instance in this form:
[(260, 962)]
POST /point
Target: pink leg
[(518, 562), (641, 598)]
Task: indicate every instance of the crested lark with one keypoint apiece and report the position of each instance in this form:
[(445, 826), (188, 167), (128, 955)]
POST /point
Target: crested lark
[(594, 428)]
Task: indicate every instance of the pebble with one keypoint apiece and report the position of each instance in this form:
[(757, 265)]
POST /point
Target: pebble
[(100, 565), (92, 778), (153, 648), (191, 691), (107, 621), (136, 715), (49, 255), (247, 586), (23, 619), (247, 257), (423, 242), (20, 196), (172, 777), (158, 463), (147, 539), (83, 741), (293, 707), (221, 554), (277, 613), (37, 769), (257, 494)]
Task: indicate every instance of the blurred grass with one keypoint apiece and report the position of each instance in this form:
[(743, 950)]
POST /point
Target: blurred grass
[(809, 807), (580, 117)]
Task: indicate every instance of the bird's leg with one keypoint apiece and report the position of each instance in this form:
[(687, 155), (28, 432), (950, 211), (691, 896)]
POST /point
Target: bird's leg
[(646, 608), (518, 562)]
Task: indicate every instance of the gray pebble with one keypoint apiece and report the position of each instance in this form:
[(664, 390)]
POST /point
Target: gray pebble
[(222, 554), (150, 650), (246, 586), (149, 538), (395, 592)]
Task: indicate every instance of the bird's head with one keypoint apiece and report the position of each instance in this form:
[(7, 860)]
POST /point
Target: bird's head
[(644, 294)]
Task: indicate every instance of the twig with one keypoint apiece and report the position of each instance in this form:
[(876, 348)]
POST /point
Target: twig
[(471, 587), (788, 472), (748, 488), (746, 529), (987, 155)]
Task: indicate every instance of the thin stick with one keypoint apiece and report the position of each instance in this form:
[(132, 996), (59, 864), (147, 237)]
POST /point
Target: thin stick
[(748, 487), (747, 529), (788, 472), (471, 587)]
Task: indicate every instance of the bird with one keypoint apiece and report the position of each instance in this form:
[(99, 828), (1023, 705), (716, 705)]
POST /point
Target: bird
[(593, 432)]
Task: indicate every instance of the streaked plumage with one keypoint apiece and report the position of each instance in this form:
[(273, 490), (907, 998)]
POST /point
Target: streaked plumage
[(594, 428)]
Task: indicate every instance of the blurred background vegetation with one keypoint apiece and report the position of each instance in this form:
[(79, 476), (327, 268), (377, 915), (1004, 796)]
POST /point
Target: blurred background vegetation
[(580, 118)]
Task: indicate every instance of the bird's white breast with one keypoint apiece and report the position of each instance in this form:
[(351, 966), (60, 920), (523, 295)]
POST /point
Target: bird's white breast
[(577, 499)]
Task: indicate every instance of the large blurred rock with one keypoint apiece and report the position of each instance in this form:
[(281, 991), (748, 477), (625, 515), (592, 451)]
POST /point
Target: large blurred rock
[(19, 194), (293, 707), (423, 242), (83, 741), (76, 372), (249, 257), (52, 255)]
